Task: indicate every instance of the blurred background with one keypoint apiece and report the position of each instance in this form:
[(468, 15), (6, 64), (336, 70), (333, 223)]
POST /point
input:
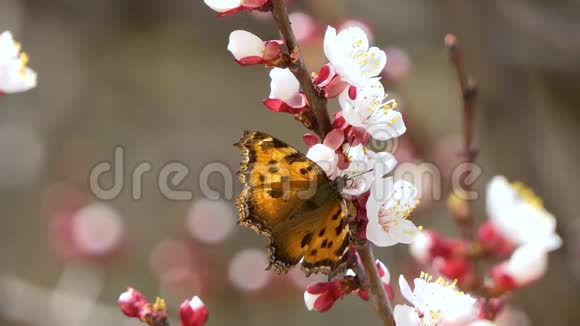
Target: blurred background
[(154, 78)]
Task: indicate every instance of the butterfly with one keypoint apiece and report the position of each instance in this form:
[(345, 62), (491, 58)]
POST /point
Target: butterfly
[(288, 198)]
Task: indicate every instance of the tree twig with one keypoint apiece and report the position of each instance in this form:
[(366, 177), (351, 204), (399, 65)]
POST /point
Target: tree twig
[(298, 68), (468, 94), (371, 280)]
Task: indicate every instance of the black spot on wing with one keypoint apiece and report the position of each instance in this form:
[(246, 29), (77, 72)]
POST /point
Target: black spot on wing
[(306, 240), (295, 157), (275, 193), (340, 227), (336, 215), (273, 169)]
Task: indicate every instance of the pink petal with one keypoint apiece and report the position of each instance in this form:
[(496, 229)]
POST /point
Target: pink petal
[(310, 140), (248, 61), (352, 92), (272, 49), (343, 161), (230, 12), (324, 302), (334, 139), (276, 105), (335, 87), (325, 76), (502, 280)]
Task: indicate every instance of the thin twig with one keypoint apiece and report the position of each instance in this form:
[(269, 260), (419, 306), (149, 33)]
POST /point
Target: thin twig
[(377, 294), (370, 278), (317, 101), (468, 94)]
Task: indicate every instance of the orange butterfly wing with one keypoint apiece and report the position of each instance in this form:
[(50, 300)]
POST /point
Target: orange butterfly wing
[(288, 198)]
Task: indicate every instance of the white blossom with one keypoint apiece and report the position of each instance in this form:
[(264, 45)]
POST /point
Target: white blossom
[(351, 57), (371, 111), (433, 303), (520, 215), (388, 207)]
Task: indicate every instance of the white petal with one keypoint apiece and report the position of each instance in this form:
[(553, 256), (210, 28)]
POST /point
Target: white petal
[(245, 44), (404, 231), (405, 316), (222, 5), (378, 236), (284, 85), (353, 38), (377, 61), (8, 47), (331, 49), (405, 289), (383, 162), (325, 157), (499, 196), (309, 300), (381, 192), (13, 78), (527, 264), (386, 125)]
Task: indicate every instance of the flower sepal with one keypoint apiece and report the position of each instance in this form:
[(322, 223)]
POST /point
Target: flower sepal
[(248, 49)]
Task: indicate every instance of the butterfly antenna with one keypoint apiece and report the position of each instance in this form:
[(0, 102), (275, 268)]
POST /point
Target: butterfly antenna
[(358, 175)]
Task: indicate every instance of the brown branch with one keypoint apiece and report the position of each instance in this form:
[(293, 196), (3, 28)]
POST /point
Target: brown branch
[(468, 94), (315, 99), (371, 281)]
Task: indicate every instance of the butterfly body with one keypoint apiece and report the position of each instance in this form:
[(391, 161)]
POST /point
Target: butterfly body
[(289, 198)]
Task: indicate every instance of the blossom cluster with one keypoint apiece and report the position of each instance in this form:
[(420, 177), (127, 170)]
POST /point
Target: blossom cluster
[(366, 113), (134, 304), (15, 75), (519, 234)]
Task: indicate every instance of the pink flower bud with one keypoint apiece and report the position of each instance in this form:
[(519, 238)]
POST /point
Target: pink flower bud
[(229, 7), (249, 49), (132, 302), (285, 95), (452, 268), (193, 312), (322, 296)]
